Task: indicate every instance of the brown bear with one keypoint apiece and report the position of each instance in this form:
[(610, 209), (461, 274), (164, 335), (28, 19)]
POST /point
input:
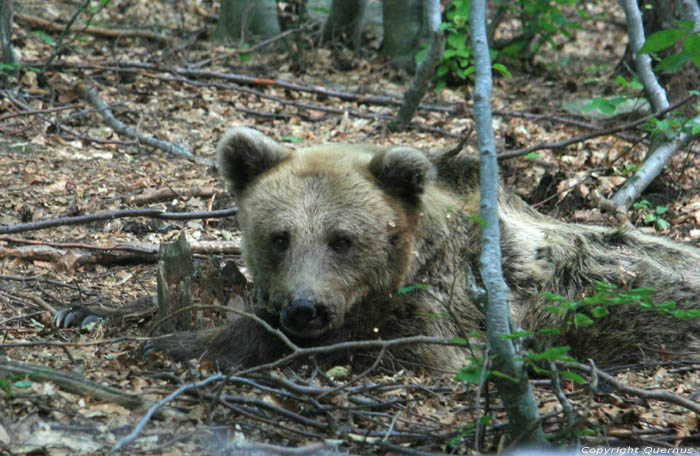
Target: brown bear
[(332, 232)]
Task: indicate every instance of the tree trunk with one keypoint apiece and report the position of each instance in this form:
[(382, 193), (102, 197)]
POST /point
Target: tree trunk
[(344, 24), (425, 70), (660, 15), (517, 396), (403, 31), (247, 21), (8, 54)]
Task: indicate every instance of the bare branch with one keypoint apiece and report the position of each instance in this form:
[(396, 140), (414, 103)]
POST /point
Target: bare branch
[(89, 218), (90, 94)]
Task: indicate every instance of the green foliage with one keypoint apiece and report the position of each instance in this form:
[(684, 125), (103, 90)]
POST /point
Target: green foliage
[(473, 371), (17, 381), (244, 56), (652, 215), (458, 60), (607, 296), (294, 139), (410, 288), (44, 37), (665, 39), (543, 19), (477, 219)]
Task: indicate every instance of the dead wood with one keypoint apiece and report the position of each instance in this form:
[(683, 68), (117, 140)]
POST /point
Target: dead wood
[(175, 277), (89, 218), (664, 396), (90, 94), (92, 30), (69, 256), (77, 384), (165, 194)]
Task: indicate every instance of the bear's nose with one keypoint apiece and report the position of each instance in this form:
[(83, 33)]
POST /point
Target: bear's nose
[(299, 313)]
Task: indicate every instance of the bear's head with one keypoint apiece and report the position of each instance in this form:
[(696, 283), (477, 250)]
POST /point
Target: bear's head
[(324, 228)]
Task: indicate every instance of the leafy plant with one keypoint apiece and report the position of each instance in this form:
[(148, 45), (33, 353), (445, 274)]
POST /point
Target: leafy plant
[(664, 39), (652, 215), (457, 61), (544, 20), (608, 295)]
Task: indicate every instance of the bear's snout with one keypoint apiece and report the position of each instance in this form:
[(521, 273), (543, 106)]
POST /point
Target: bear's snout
[(304, 318)]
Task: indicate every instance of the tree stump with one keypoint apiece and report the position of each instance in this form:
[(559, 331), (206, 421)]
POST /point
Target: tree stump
[(175, 278)]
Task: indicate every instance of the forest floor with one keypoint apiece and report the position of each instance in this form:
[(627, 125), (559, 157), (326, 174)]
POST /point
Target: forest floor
[(59, 158)]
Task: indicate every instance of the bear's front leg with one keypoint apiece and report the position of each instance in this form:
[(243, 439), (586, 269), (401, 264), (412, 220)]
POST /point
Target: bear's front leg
[(243, 343)]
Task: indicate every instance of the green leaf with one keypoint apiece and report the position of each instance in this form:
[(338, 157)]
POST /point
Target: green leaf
[(673, 62), (662, 40), (456, 41), (502, 69), (661, 209), (573, 376), (26, 383), (470, 374), (533, 156), (600, 311), (519, 334), (504, 375), (410, 288), (552, 354), (581, 320), (46, 38), (553, 296), (692, 44), (662, 224), (477, 219), (291, 138)]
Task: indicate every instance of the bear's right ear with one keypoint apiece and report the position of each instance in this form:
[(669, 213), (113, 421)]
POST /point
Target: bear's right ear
[(243, 154)]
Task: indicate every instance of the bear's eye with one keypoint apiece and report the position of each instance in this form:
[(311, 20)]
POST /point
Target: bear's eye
[(340, 243), (280, 241)]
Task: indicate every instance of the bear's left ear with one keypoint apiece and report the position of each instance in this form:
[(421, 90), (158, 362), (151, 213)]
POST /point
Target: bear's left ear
[(243, 154), (403, 170)]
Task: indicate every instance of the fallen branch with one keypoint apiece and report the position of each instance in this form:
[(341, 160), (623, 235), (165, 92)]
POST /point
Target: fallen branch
[(154, 408), (165, 194), (90, 94), (124, 213), (78, 385), (34, 112), (182, 74), (91, 30), (663, 396), (663, 151), (595, 134), (650, 169)]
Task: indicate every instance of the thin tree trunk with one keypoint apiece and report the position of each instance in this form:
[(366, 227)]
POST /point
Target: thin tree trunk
[(425, 70), (518, 397), (344, 24)]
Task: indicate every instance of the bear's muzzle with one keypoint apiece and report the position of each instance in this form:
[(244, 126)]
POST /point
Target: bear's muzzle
[(303, 318)]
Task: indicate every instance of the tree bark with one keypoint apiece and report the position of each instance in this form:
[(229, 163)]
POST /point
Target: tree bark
[(403, 31), (517, 397), (247, 21), (662, 152), (8, 53), (174, 284), (425, 70), (344, 24)]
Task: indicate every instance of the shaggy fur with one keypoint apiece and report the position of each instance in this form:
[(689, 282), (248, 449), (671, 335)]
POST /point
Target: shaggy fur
[(331, 232)]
